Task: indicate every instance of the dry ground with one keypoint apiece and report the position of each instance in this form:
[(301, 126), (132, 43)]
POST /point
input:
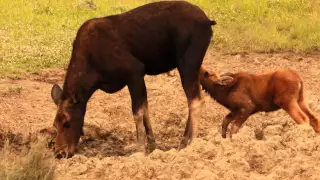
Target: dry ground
[(269, 146)]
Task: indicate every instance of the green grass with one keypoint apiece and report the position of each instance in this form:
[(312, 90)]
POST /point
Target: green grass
[(38, 34)]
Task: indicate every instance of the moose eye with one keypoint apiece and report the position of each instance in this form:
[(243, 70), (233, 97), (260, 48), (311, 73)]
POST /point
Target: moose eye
[(66, 125)]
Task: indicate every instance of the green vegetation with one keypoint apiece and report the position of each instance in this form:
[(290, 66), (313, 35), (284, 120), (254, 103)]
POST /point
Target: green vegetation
[(38, 34)]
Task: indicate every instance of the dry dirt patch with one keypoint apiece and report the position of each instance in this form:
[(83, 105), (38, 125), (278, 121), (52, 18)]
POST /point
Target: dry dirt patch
[(269, 146)]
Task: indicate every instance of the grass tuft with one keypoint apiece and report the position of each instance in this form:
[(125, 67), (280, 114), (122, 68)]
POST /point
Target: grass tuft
[(32, 163)]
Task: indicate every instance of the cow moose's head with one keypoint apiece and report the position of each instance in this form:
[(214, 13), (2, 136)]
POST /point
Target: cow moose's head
[(68, 123)]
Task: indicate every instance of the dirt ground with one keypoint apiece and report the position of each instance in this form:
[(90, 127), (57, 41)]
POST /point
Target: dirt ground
[(269, 146)]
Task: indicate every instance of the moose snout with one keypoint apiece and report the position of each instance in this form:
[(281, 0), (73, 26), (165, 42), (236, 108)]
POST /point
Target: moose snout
[(62, 152)]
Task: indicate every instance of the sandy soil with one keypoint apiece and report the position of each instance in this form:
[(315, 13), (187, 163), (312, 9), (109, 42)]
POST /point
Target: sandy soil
[(268, 146)]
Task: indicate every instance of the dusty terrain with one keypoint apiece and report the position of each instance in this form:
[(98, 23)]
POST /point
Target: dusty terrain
[(269, 146)]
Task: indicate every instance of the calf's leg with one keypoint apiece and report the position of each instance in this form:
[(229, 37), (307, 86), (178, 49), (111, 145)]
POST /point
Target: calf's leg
[(314, 120), (239, 119), (294, 110), (227, 120)]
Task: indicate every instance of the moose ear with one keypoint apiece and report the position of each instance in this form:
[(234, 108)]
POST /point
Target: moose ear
[(206, 74), (56, 92), (225, 80)]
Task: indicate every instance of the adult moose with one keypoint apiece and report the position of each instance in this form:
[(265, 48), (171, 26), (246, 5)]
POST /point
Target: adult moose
[(114, 51)]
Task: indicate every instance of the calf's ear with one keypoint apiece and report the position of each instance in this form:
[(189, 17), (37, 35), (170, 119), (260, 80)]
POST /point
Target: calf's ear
[(227, 74), (56, 92), (225, 80)]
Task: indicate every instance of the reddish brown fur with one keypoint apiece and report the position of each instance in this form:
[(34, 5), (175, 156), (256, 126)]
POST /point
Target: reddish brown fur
[(112, 52), (245, 94)]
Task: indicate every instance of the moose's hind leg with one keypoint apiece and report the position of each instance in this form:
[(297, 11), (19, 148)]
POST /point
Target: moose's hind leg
[(189, 67)]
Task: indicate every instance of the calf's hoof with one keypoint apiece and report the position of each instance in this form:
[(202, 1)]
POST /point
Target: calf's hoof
[(304, 126)]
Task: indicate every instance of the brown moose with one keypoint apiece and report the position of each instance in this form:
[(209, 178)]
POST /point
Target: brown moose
[(112, 52), (245, 94)]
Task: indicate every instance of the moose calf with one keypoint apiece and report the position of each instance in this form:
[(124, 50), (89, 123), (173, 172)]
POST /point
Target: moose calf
[(245, 94)]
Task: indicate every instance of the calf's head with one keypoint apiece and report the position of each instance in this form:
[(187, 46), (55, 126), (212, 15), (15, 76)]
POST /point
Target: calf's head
[(210, 79), (68, 122)]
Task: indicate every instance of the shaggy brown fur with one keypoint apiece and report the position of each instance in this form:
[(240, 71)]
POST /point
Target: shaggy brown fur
[(245, 94)]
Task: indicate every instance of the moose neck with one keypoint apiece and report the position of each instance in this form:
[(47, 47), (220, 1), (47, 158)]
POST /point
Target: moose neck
[(80, 82)]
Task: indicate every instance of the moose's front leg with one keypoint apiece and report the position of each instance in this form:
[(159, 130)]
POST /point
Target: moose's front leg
[(138, 95), (141, 136), (147, 125)]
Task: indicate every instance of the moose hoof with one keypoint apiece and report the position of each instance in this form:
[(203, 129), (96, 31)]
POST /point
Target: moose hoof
[(151, 145), (184, 143)]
